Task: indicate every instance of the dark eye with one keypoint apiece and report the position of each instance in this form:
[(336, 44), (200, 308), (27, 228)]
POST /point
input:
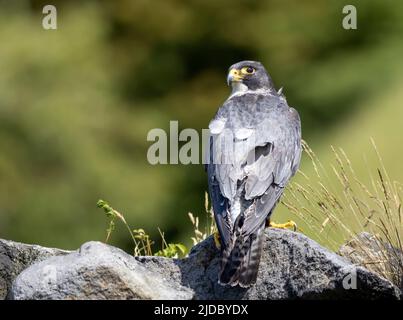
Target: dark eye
[(250, 70)]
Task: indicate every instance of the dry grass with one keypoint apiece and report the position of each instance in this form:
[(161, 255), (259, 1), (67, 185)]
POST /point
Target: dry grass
[(335, 213), (210, 226)]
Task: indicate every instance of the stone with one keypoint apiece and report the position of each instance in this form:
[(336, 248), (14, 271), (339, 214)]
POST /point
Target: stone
[(95, 271), (292, 267), (15, 257)]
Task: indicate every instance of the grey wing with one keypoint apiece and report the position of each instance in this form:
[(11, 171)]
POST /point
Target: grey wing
[(277, 159), (220, 203), (223, 171), (220, 208), (263, 163)]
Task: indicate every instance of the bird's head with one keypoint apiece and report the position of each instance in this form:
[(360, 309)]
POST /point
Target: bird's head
[(249, 75)]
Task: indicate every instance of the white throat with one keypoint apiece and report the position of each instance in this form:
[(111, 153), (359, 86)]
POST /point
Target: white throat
[(238, 89)]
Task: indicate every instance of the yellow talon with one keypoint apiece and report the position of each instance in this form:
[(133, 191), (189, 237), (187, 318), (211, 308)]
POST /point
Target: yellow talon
[(217, 240), (287, 225)]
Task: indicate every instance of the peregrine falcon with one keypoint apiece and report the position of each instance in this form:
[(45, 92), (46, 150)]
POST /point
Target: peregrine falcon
[(254, 150)]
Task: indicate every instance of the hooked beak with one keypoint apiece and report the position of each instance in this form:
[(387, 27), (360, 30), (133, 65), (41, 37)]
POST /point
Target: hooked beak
[(234, 75)]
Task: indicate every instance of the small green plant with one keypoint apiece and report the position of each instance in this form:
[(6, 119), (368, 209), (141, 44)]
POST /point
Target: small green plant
[(112, 214), (141, 240), (170, 250), (145, 243)]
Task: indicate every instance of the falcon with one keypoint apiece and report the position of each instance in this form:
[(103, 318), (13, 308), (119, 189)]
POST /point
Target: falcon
[(254, 149)]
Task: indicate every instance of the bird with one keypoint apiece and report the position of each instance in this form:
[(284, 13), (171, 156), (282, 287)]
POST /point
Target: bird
[(254, 149)]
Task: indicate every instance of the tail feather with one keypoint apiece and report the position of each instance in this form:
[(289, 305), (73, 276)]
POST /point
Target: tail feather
[(250, 266), (240, 262)]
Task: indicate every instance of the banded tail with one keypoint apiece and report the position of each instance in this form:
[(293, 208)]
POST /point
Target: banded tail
[(240, 262)]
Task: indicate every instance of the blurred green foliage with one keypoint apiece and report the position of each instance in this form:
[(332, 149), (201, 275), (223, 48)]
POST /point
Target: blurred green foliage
[(76, 103)]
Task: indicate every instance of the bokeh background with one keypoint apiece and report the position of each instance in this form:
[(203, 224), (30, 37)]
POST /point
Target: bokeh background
[(76, 103)]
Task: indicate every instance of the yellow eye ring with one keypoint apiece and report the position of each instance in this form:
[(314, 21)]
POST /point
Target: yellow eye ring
[(248, 70)]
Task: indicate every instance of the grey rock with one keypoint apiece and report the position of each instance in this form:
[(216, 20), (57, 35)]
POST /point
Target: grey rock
[(95, 271), (377, 256), (15, 257), (292, 267)]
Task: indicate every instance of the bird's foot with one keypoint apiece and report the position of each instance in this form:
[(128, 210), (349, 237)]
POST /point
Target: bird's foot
[(288, 225), (217, 238)]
